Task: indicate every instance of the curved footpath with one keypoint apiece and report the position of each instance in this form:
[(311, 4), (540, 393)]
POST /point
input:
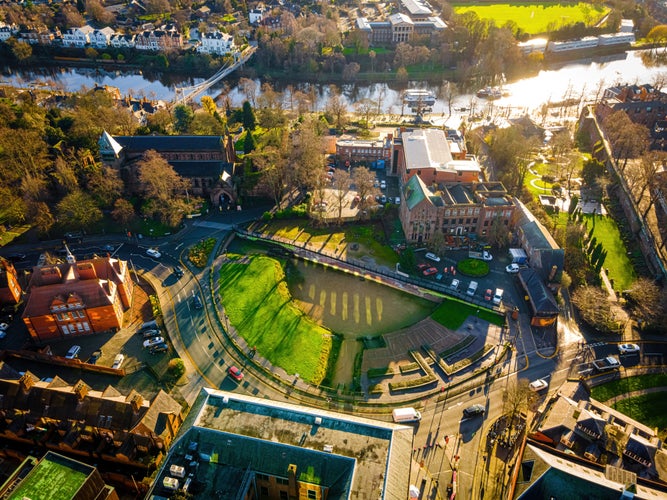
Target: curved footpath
[(634, 394)]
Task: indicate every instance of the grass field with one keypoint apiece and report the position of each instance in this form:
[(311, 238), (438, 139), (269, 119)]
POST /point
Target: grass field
[(452, 313), (536, 18), (609, 390), (649, 409), (257, 300), (617, 261)]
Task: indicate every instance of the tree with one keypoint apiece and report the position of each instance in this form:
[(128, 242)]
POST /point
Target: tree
[(407, 260), (499, 234), (20, 50), (43, 218), (367, 109), (336, 108), (123, 211), (591, 170), (364, 179), (208, 104), (97, 12), (158, 180), (183, 116), (515, 398), (249, 121), (595, 309), (78, 210), (645, 300), (437, 242), (350, 71), (248, 142), (271, 163), (341, 184)]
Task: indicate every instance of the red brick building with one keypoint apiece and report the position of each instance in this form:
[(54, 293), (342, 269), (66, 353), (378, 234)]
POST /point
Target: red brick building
[(77, 298), (10, 289)]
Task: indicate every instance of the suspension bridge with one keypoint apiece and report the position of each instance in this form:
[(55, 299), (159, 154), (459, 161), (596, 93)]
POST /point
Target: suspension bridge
[(183, 95)]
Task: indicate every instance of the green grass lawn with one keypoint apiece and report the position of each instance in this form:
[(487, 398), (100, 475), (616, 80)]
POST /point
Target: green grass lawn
[(649, 409), (537, 18), (257, 300), (453, 312), (370, 238), (617, 261), (609, 390), (8, 236)]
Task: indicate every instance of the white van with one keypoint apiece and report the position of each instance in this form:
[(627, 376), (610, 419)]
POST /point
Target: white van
[(498, 296), (406, 415), (472, 288), (177, 471), (73, 352), (432, 256), (170, 483)]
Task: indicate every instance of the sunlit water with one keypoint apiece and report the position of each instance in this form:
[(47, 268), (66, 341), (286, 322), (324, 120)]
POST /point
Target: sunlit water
[(571, 80)]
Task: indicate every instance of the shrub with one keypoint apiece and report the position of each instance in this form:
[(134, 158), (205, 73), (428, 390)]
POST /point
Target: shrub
[(473, 267), (155, 306), (380, 372), (410, 367), (200, 252), (175, 369)]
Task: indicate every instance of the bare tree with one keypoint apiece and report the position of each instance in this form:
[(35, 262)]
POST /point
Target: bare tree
[(341, 184), (363, 180), (515, 398)]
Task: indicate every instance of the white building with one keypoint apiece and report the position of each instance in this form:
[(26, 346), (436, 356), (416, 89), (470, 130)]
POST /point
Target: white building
[(216, 42), (255, 16), (120, 41), (100, 38), (77, 37), (616, 38), (7, 31)]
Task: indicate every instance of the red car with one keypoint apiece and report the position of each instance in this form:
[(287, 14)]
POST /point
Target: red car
[(429, 271), (235, 373), (421, 267), (488, 295)]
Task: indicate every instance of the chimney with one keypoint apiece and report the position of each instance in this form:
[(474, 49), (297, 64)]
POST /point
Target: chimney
[(292, 488), (26, 381), (136, 402), (81, 389)]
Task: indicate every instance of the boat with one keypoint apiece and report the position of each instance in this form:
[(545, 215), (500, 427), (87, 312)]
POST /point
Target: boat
[(490, 93), (419, 97)]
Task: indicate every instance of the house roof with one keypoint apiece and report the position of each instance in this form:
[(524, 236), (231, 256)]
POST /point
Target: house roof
[(212, 169), (425, 148), (90, 279), (161, 143), (541, 300), (415, 191), (108, 143)]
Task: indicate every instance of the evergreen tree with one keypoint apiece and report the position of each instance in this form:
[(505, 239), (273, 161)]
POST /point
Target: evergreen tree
[(249, 120), (248, 143)]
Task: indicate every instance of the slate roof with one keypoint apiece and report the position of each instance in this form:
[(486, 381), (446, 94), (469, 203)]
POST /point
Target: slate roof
[(415, 191), (171, 142), (541, 299), (199, 168)]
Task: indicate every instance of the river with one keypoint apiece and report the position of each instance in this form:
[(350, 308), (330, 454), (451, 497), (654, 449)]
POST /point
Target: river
[(576, 79)]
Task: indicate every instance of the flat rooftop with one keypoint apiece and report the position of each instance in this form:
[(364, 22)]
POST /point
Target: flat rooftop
[(354, 457), (55, 477)]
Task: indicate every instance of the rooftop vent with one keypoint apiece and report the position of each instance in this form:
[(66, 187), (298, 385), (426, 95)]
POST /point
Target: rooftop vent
[(318, 420)]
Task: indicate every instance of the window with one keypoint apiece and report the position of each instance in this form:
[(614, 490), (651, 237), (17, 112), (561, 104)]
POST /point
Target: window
[(282, 480), (312, 494), (86, 326), (262, 477), (263, 491), (283, 495)]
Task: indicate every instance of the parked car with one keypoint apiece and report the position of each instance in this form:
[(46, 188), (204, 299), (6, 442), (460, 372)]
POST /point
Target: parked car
[(94, 357), (118, 361), (196, 302), (3, 327), (235, 373), (383, 184), (498, 296), (383, 199), (429, 271), (108, 248), (455, 284), (153, 342), (73, 352), (512, 268), (178, 271), (486, 255), (472, 288), (473, 411), (397, 200), (148, 325), (628, 348), (16, 257), (149, 334), (432, 256), (163, 347), (538, 385), (488, 295), (421, 267), (153, 252)]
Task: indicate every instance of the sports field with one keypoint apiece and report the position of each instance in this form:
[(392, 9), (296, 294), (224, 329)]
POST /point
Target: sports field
[(536, 18)]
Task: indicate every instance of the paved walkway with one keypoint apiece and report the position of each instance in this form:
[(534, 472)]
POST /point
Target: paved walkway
[(634, 394)]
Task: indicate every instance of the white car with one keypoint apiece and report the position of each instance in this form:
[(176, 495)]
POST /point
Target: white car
[(152, 252), (486, 255), (152, 342), (383, 185), (538, 385), (432, 256), (628, 348), (3, 327), (118, 361), (512, 268)]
